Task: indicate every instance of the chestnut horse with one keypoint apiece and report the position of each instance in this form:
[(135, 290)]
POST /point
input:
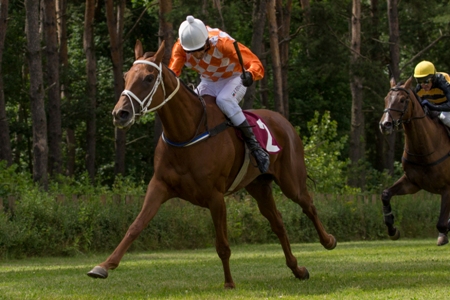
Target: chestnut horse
[(195, 165), (425, 157)]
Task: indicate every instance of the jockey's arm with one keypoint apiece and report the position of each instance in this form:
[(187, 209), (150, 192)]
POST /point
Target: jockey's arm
[(444, 85), (252, 63), (177, 59)]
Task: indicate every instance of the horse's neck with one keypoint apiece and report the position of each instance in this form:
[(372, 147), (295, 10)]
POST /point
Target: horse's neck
[(182, 116), (422, 134)]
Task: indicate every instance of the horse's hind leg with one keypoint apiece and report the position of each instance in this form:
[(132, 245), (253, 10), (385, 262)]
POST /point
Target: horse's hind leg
[(328, 241), (443, 222), (155, 196), (293, 184), (261, 190)]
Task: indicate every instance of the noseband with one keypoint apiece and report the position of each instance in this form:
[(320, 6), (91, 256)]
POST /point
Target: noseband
[(148, 100), (397, 123)]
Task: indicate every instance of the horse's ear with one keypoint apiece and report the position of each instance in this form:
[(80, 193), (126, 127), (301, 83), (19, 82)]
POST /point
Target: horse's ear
[(160, 53), (392, 81), (138, 50), (408, 82)]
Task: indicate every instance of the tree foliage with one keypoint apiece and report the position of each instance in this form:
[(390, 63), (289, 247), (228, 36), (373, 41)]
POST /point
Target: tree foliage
[(318, 74)]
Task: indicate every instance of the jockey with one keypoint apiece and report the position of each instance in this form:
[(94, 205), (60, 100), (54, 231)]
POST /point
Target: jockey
[(434, 89), (211, 53)]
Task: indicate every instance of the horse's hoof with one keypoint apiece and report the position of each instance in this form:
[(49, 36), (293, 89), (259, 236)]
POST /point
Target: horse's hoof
[(305, 274), (98, 272), (332, 244), (229, 285), (442, 239), (396, 235), (301, 273)]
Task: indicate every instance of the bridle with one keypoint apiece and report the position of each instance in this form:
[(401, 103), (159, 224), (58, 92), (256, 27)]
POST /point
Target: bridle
[(144, 104), (398, 122)]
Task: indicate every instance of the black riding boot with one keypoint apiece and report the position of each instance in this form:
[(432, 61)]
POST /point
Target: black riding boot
[(261, 156)]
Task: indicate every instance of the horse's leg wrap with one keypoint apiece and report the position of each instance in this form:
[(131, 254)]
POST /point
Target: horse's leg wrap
[(261, 156), (388, 215), (389, 220)]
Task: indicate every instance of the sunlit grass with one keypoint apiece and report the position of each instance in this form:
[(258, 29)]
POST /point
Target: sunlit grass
[(405, 269)]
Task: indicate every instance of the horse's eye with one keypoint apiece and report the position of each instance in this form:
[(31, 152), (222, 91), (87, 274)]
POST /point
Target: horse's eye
[(149, 78)]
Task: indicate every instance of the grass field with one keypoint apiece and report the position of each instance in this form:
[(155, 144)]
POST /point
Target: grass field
[(404, 269)]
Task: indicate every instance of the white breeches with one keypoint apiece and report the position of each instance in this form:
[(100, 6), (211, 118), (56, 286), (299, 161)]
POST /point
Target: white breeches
[(228, 92)]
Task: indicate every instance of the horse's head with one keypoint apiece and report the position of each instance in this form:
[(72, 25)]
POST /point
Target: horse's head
[(398, 106), (144, 88)]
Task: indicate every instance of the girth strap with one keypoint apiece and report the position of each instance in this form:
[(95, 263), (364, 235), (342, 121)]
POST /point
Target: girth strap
[(429, 164)]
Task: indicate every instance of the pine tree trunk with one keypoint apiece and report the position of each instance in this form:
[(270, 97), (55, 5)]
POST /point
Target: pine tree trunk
[(115, 30), (5, 142), (284, 24), (54, 96), (357, 139), (275, 56), (394, 49), (39, 119), (259, 22), (91, 70), (61, 10)]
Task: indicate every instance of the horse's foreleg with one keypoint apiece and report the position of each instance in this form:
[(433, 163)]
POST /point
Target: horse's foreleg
[(402, 187), (442, 224), (262, 192), (219, 217), (155, 196)]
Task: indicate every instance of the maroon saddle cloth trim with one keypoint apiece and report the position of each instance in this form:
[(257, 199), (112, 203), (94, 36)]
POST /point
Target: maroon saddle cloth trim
[(262, 133)]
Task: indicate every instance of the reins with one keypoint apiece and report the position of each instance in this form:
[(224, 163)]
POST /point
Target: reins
[(146, 102), (400, 121), (200, 137)]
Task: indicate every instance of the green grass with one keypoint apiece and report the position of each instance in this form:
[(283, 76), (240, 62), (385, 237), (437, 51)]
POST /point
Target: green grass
[(404, 269)]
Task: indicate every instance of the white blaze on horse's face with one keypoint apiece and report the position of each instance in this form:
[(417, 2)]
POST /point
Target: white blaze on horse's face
[(385, 124), (396, 106)]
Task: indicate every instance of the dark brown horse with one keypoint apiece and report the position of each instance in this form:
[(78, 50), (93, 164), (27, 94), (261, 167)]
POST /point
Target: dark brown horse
[(425, 160), (202, 168)]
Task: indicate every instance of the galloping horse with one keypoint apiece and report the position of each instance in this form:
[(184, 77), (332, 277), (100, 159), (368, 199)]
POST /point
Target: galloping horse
[(196, 165), (425, 157)]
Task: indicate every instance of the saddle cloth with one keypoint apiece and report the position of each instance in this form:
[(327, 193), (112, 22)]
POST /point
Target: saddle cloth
[(262, 133)]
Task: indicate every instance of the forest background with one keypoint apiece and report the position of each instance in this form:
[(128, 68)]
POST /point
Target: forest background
[(70, 182), (326, 65)]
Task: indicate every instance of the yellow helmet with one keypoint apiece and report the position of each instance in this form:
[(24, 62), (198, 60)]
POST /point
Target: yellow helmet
[(424, 69)]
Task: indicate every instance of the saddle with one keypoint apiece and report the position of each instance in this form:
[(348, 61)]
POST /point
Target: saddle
[(261, 132)]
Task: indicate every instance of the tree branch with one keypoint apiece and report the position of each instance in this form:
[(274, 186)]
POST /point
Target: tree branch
[(424, 50), (139, 19)]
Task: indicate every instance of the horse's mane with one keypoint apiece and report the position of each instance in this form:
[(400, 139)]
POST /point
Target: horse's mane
[(183, 83)]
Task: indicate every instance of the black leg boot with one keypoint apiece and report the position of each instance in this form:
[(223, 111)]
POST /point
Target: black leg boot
[(261, 156)]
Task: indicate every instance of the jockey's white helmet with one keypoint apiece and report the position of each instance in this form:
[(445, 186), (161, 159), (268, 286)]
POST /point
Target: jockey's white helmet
[(192, 33)]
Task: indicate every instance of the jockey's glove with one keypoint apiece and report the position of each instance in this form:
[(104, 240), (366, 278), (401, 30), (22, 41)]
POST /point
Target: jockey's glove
[(247, 79)]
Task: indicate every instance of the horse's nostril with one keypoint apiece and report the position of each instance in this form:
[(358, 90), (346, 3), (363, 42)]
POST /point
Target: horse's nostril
[(123, 114)]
